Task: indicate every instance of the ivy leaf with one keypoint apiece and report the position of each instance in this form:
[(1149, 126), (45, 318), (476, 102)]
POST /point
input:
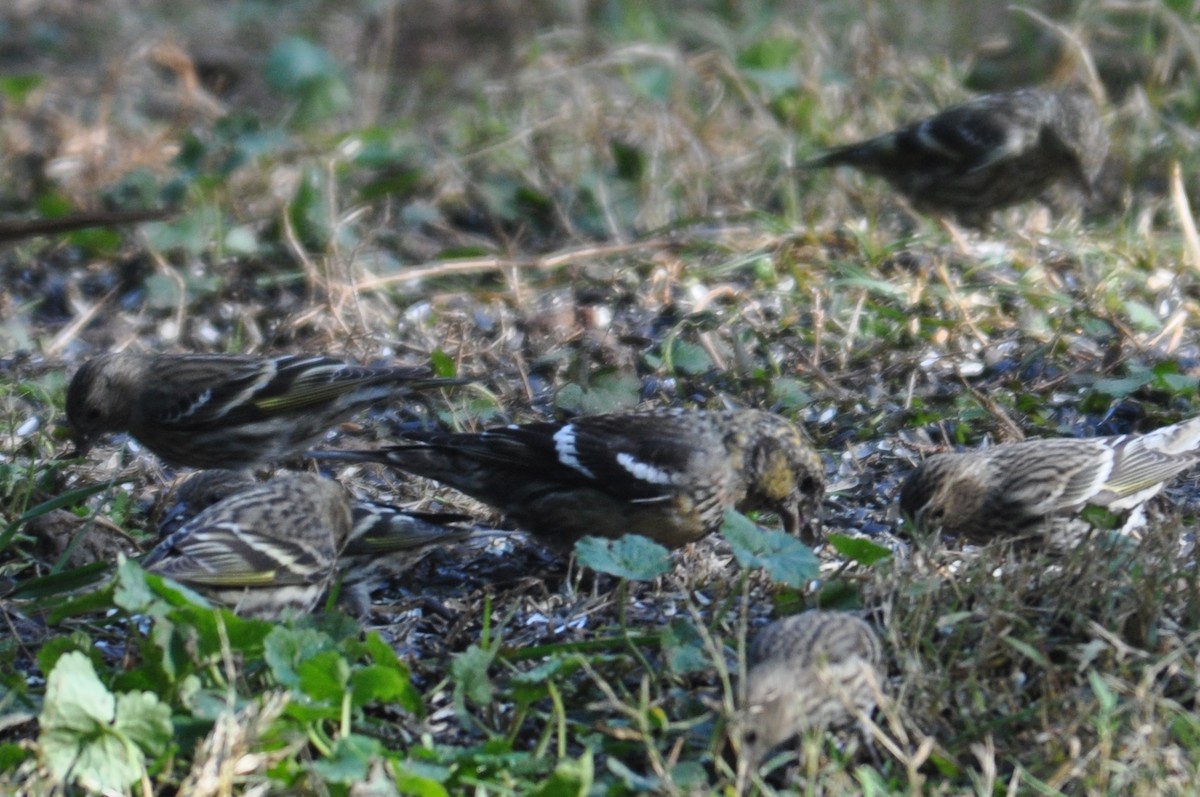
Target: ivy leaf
[(94, 738), (785, 558), (631, 557)]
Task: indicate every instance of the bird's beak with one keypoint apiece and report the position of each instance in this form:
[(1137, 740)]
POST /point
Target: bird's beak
[(797, 525)]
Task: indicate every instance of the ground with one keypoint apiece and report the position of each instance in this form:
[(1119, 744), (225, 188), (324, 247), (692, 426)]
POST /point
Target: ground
[(584, 209)]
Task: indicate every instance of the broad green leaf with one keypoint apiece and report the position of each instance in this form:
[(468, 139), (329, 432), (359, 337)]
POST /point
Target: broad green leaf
[(632, 557), (324, 676), (684, 648), (571, 778), (145, 720), (688, 358), (607, 392), (470, 672), (858, 549), (786, 559), (93, 738), (285, 649), (309, 75), (350, 759), (375, 683)]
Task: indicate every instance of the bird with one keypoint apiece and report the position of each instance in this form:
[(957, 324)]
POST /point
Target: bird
[(816, 669), (668, 475), (1037, 488), (222, 410), (266, 551), (384, 541), (985, 154)]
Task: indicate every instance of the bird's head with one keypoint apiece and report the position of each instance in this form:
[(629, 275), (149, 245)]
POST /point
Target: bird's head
[(946, 494), (96, 403), (787, 478)]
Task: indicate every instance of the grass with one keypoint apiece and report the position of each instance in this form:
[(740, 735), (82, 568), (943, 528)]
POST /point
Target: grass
[(589, 210)]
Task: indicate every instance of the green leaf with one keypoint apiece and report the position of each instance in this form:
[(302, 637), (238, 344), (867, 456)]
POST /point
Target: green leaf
[(632, 557), (383, 684), (654, 82), (1105, 695), (75, 698), (690, 777), (1122, 387), (608, 392), (324, 676), (1028, 651), (630, 161), (92, 737), (470, 672), (687, 358), (409, 781), (309, 75), (350, 760), (571, 778), (684, 648), (786, 559), (57, 647), (64, 582), (12, 755), (1101, 518), (858, 549), (286, 649), (145, 720), (385, 658), (443, 364), (771, 53), (16, 88), (789, 394), (1141, 316)]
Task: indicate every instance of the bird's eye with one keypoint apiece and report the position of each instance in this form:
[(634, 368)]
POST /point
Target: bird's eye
[(751, 736), (808, 484)]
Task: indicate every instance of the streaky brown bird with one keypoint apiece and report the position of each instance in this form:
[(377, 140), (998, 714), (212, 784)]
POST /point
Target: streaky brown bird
[(668, 475), (384, 541), (810, 670), (1039, 487), (985, 154), (226, 411), (266, 551)]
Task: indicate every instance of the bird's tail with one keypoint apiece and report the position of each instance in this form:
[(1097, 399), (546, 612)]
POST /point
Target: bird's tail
[(1179, 439), (380, 529), (865, 155)]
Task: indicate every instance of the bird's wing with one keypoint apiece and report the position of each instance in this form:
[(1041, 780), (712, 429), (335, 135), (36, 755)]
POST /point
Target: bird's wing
[(635, 457), (972, 137), (224, 554), (203, 390), (305, 381), (1044, 477), (1142, 462)]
